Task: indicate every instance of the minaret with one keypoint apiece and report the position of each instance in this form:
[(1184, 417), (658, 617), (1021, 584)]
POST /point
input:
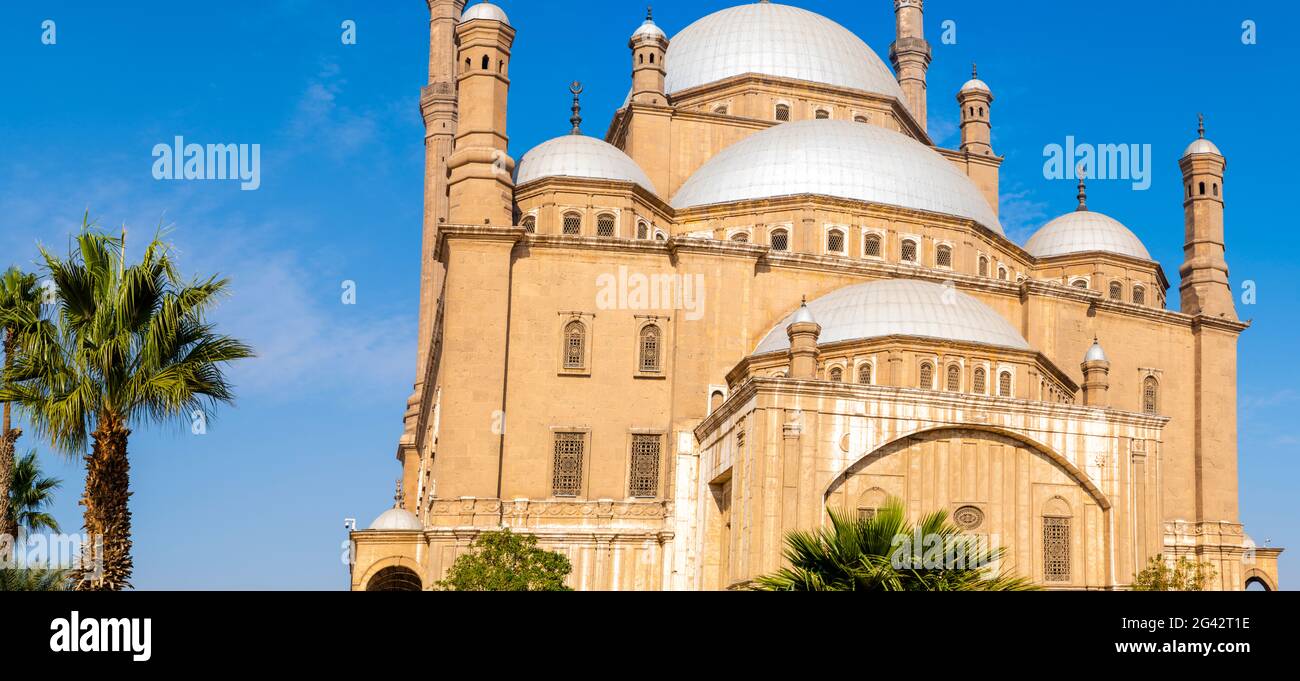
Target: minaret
[(438, 107), (976, 101), (1205, 288), (803, 332), (649, 45), (1096, 377), (910, 54), (482, 185)]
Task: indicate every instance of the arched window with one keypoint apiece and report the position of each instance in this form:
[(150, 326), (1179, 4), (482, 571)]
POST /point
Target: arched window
[(487, 62), (575, 345), (835, 241), (981, 382), (640, 58), (660, 236), (861, 119), (1116, 291), (1150, 396), (927, 376), (1002, 274), (716, 400), (642, 230), (605, 225), (872, 247), (780, 240), (836, 374), (652, 57), (1216, 188), (822, 114), (1139, 295), (651, 349), (740, 237), (1004, 384), (864, 374), (954, 378), (1080, 283), (396, 578), (1189, 190), (943, 256), (783, 112), (1056, 541), (984, 266), (721, 109), (981, 111), (530, 224), (909, 250), (572, 223), (501, 66)]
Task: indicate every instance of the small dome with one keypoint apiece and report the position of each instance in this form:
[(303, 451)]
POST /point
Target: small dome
[(485, 10), (1082, 232), (583, 157), (1095, 353), (1202, 146), (397, 520), (900, 307), (803, 316), (837, 158), (976, 85), (649, 28), (775, 40)]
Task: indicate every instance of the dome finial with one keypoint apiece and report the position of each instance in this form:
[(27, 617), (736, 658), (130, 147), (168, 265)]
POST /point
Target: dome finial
[(399, 496), (576, 120), (649, 13), (974, 71), (1201, 127), (1083, 188)]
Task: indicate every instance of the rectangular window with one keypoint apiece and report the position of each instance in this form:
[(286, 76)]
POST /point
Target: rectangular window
[(1056, 549), (644, 478), (566, 479)]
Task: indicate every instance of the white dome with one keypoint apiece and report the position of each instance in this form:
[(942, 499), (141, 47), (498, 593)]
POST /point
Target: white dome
[(903, 307), (1085, 231), (975, 84), (1095, 353), (775, 40), (1202, 146), (649, 28), (397, 520), (583, 157), (485, 10), (837, 158)]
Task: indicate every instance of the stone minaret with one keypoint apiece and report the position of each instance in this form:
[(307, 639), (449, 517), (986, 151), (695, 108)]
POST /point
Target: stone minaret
[(976, 101), (649, 45), (1096, 377), (438, 107), (1205, 288), (803, 332), (910, 54), (482, 184)]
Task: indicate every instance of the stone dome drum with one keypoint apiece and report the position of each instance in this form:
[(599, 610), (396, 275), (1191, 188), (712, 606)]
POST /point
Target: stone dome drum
[(842, 159), (1083, 232), (581, 157), (775, 40), (900, 307)]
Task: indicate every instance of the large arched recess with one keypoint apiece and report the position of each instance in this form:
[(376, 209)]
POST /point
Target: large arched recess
[(390, 562), (908, 440)]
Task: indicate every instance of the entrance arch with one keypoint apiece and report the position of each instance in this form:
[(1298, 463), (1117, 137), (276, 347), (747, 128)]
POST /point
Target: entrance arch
[(395, 578)]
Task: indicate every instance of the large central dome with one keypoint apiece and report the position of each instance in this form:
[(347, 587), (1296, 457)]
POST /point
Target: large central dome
[(775, 40), (837, 158)]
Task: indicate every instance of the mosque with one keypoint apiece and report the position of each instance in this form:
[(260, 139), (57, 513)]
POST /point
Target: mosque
[(840, 319)]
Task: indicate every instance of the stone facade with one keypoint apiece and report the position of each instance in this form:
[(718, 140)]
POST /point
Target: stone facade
[(596, 383)]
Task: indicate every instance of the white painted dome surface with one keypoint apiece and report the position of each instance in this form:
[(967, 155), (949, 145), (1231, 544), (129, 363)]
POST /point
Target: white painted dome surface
[(396, 519), (775, 40), (841, 159), (485, 10), (1095, 353), (649, 28), (976, 84), (1083, 232), (582, 157), (1202, 146), (902, 307)]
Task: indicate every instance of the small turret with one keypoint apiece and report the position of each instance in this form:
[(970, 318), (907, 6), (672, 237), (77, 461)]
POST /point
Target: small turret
[(804, 332), (649, 45), (1096, 377)]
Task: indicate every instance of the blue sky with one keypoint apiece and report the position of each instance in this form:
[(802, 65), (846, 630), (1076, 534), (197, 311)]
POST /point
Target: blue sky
[(259, 501)]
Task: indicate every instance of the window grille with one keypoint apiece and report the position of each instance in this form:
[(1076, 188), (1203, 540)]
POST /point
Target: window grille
[(575, 346), (650, 350), (837, 375), (954, 378), (864, 374), (980, 378), (782, 112), (572, 223), (1004, 384), (605, 226), (1150, 391), (872, 246), (944, 256), (927, 376), (780, 240), (644, 479), (909, 251), (835, 241), (1056, 549), (567, 476)]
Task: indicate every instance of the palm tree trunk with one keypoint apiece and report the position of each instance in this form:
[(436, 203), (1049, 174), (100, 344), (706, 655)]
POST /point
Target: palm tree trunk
[(107, 516), (8, 442)]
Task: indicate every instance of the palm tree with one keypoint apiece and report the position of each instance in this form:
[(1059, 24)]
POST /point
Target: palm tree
[(886, 552), (30, 493), (131, 345), (35, 579), (20, 306)]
